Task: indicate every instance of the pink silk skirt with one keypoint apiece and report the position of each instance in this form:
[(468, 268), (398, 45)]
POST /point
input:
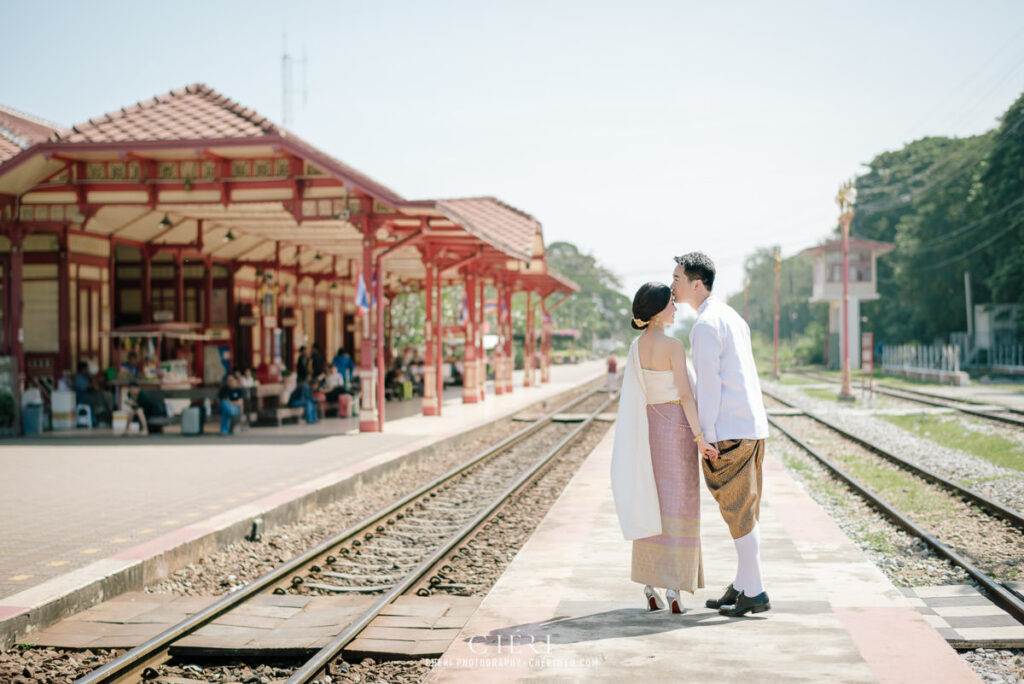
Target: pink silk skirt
[(672, 559)]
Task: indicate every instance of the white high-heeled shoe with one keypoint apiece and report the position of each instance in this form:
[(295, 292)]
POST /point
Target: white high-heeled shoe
[(654, 601), (675, 603)]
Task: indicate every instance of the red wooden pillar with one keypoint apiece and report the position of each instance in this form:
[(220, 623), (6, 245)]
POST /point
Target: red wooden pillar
[(439, 342), (545, 342), (381, 368), (481, 357), (64, 304), (528, 344), (367, 373), (179, 288), (499, 331), (430, 399), (208, 293), (147, 285), (510, 352), (470, 391), (108, 360), (17, 314)]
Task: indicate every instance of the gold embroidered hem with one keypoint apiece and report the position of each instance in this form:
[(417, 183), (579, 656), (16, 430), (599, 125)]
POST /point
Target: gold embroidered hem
[(672, 559)]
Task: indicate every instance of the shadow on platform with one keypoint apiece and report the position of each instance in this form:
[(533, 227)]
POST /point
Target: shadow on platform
[(612, 624)]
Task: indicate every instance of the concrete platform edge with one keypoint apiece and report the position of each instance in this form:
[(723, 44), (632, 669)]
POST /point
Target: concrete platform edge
[(135, 568)]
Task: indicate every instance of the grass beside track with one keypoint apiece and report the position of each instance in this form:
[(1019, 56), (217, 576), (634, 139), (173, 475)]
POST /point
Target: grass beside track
[(958, 434)]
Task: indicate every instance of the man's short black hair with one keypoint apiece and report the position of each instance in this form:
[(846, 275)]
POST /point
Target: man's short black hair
[(698, 266)]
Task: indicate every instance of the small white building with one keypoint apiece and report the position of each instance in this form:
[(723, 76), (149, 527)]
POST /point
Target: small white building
[(828, 287)]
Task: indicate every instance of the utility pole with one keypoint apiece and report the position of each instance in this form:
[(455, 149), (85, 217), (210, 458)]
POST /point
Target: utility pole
[(846, 197), (777, 255)]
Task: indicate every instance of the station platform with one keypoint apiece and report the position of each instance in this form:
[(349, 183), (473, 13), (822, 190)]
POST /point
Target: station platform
[(566, 610), (85, 519)]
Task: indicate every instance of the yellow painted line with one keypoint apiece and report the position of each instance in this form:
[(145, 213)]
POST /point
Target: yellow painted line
[(191, 515), (18, 578), (292, 479), (54, 564), (264, 489), (146, 530), (231, 500), (89, 551), (119, 540), (213, 507), (247, 494), (169, 522)]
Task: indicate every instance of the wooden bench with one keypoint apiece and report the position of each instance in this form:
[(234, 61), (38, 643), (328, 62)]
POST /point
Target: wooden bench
[(273, 405)]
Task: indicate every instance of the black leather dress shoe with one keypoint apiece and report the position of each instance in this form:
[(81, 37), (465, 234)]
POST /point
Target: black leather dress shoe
[(728, 598), (745, 604)]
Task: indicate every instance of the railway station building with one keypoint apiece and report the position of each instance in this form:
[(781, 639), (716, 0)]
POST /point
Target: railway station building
[(193, 235)]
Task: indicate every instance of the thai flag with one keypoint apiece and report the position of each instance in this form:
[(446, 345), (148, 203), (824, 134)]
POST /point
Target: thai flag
[(362, 297)]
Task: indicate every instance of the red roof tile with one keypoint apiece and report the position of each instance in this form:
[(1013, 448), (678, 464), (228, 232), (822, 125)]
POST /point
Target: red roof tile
[(495, 222), (19, 130), (194, 112)]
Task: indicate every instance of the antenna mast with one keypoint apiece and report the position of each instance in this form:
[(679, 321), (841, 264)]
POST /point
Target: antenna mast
[(287, 89)]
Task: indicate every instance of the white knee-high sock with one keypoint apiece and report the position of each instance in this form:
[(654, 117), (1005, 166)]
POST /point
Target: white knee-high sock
[(748, 563)]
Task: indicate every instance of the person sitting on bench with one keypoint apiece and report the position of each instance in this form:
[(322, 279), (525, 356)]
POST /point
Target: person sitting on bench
[(302, 397), (134, 407), (229, 398)]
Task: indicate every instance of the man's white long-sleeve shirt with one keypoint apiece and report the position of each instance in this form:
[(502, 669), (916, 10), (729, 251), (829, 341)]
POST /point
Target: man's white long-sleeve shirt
[(728, 392)]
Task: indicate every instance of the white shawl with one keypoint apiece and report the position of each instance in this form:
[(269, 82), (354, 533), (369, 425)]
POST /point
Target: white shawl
[(633, 487)]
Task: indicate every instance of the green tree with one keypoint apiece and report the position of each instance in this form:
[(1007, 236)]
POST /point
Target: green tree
[(924, 198), (796, 314), (599, 310)]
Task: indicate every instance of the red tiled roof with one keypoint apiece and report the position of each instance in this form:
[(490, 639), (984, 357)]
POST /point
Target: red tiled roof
[(196, 112), (494, 222), (19, 130)]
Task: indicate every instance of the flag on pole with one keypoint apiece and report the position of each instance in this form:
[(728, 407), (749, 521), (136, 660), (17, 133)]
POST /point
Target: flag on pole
[(464, 311), (362, 297)]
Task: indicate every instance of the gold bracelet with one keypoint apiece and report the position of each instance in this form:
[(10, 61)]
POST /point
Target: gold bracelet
[(700, 436)]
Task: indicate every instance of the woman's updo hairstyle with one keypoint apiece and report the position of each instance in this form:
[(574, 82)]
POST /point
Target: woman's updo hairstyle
[(650, 300)]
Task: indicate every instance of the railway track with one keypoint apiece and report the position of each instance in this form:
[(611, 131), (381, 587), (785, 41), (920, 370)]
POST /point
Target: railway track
[(400, 549), (1001, 414), (1000, 593)]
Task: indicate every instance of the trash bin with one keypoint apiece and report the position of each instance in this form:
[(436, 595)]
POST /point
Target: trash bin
[(32, 419), (62, 409)]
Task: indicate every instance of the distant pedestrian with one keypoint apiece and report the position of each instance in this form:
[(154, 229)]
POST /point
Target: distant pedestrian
[(343, 362), (302, 366), (317, 361), (613, 371)]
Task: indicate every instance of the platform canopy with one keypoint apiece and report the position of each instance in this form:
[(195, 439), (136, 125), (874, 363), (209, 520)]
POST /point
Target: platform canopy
[(194, 170)]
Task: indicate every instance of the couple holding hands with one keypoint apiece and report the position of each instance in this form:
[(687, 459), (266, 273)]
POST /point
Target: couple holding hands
[(676, 419)]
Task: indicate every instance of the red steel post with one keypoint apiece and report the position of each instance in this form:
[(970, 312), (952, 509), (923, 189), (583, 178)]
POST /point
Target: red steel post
[(379, 342), (429, 331), (469, 369)]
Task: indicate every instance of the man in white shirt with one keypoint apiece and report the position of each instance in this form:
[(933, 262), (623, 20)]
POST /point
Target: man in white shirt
[(732, 417)]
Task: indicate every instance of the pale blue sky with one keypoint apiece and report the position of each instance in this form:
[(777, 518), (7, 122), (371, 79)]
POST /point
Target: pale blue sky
[(635, 130)]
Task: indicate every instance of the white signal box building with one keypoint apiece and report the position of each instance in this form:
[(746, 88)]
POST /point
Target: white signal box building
[(828, 287)]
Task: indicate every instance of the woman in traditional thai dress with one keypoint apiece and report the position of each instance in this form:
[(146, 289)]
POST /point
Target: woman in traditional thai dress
[(656, 456)]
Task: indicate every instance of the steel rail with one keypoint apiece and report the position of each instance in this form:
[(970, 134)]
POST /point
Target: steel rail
[(151, 648), (943, 402), (997, 509), (940, 401), (1000, 595), (1003, 407), (322, 658)]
